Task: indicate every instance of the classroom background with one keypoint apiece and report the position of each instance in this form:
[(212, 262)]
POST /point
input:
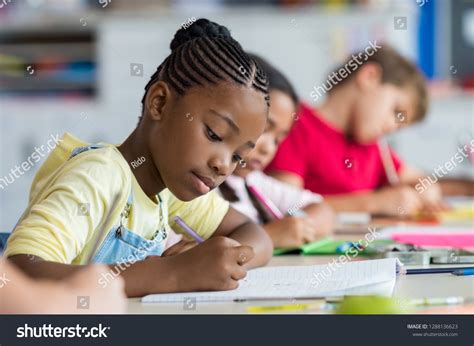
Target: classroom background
[(80, 66)]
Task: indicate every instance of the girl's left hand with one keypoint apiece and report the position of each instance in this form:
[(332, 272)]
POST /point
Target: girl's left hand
[(182, 246)]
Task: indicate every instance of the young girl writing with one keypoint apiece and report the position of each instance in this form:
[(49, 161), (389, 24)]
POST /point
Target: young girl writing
[(203, 111), (308, 218)]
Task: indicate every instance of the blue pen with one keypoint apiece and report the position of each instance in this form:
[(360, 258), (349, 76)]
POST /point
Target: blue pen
[(435, 270), (463, 272)]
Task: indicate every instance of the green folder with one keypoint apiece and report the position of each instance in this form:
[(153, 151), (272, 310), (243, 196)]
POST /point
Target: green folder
[(329, 246)]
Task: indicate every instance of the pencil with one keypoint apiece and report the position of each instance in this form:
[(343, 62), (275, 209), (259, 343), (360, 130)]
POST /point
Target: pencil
[(387, 161), (188, 229), (272, 208)]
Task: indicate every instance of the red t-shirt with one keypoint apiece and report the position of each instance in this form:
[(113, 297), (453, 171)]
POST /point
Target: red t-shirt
[(326, 160)]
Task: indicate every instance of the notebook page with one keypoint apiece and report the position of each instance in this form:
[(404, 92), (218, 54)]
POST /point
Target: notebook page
[(290, 282)]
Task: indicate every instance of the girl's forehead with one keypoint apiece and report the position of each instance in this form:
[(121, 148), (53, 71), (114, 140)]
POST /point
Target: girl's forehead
[(241, 109), (239, 101)]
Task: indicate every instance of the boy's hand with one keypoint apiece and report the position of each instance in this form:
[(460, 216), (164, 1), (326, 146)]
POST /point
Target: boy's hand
[(216, 264), (182, 246), (398, 201), (432, 199), (292, 231)]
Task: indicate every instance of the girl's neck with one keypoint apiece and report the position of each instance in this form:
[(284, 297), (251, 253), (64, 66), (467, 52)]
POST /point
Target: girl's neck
[(337, 109), (134, 149)]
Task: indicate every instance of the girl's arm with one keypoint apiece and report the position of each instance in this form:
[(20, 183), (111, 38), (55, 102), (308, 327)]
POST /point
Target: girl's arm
[(237, 226), (136, 275), (193, 270)]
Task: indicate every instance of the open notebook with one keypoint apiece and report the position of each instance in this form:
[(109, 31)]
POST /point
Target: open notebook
[(293, 282)]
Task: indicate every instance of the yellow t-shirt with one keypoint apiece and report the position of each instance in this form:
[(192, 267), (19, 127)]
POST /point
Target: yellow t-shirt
[(71, 199)]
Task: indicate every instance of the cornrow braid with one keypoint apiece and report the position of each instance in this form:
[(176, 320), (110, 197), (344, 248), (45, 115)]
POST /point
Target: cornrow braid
[(205, 53)]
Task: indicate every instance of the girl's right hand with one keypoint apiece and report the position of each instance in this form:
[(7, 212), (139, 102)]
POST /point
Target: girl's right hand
[(216, 264), (292, 231)]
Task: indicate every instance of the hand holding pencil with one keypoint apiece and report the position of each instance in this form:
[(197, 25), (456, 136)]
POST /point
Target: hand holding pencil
[(217, 264)]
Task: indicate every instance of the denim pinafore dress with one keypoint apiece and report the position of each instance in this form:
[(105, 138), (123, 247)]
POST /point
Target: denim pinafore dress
[(122, 245)]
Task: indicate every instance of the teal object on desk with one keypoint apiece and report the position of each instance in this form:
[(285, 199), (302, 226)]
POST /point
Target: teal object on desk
[(463, 272)]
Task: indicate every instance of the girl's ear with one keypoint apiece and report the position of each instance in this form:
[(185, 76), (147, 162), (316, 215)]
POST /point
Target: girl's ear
[(369, 76), (156, 99)]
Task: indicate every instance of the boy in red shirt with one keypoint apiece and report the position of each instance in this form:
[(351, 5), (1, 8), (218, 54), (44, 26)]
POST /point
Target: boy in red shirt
[(334, 150)]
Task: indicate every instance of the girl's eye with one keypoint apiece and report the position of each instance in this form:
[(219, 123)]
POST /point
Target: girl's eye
[(215, 138), (212, 135)]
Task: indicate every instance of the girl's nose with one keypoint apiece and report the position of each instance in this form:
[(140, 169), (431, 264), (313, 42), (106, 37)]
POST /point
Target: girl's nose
[(221, 166)]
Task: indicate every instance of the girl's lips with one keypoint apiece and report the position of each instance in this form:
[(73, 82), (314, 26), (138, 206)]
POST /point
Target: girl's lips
[(255, 164), (202, 184)]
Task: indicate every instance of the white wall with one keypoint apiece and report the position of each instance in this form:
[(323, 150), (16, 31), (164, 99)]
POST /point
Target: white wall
[(305, 49)]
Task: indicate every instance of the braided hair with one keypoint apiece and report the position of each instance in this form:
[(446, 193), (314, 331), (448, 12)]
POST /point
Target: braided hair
[(276, 79), (205, 53)]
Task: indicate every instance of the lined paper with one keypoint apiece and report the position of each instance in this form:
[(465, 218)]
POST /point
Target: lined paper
[(289, 282)]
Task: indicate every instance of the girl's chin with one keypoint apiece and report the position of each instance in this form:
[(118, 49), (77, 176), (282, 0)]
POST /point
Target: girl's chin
[(183, 193)]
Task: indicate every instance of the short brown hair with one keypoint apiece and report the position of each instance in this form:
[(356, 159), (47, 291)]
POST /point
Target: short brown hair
[(396, 70)]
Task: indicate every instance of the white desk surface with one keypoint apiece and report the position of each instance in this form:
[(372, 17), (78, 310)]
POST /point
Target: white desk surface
[(407, 286)]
